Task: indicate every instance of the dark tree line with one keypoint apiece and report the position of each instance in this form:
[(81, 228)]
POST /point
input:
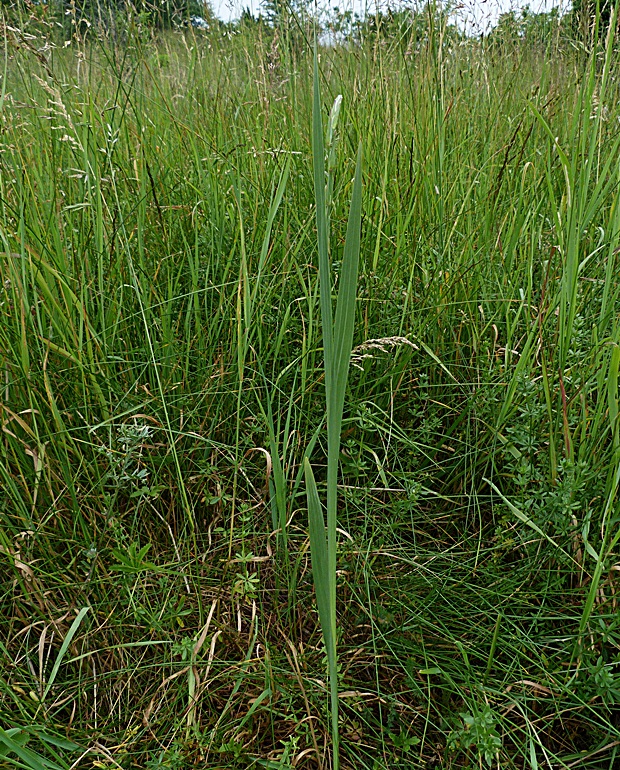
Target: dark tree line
[(408, 22), (108, 14), (585, 11)]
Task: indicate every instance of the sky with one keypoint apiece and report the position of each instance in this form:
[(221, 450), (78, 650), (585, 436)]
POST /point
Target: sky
[(475, 15)]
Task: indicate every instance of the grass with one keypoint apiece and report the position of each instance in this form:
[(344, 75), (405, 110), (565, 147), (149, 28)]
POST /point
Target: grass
[(163, 382), (337, 348)]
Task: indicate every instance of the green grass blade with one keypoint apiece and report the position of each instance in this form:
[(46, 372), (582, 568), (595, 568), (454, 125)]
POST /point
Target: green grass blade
[(347, 292), (31, 759), (612, 393), (64, 647), (343, 342), (273, 210), (318, 552), (528, 521), (322, 225)]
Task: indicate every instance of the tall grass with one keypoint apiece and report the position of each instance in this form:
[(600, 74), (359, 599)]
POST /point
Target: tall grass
[(171, 366), (337, 346)]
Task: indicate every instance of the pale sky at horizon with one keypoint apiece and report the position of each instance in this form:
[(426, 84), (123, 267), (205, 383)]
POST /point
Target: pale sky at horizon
[(479, 14)]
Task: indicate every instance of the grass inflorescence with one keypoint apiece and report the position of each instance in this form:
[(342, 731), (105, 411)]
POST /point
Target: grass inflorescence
[(164, 374)]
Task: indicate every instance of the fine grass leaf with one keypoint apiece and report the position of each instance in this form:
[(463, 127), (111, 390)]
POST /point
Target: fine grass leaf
[(263, 696), (532, 524), (318, 552), (322, 224), (14, 743), (57, 741), (612, 392), (63, 649), (273, 210), (347, 293), (15, 734)]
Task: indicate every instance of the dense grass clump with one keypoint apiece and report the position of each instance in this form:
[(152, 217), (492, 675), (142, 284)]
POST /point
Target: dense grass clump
[(161, 355)]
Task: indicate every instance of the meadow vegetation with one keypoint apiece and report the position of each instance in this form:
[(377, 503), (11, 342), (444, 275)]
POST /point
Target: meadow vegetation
[(163, 372)]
